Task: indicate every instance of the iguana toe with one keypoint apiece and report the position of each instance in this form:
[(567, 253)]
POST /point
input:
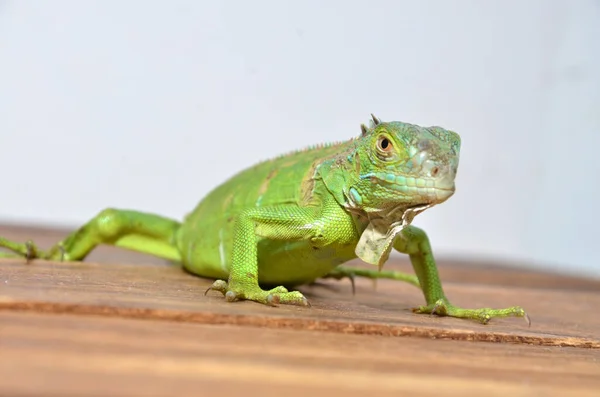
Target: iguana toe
[(231, 296), (218, 285), (292, 298), (279, 290)]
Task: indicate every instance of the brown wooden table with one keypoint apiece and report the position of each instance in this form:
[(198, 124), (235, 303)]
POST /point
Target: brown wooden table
[(124, 324)]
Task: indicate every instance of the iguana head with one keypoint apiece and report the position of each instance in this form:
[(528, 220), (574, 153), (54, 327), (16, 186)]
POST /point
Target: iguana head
[(400, 166)]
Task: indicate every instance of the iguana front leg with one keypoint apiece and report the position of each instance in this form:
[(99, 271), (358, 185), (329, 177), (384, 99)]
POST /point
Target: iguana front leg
[(284, 222), (414, 242)]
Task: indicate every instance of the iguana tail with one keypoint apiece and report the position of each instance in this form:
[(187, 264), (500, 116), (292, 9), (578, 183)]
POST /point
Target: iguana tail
[(137, 231)]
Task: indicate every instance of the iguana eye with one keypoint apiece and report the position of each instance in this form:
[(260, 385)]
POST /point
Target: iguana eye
[(384, 144)]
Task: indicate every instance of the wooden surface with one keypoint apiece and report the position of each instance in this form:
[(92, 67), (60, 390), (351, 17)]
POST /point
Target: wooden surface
[(124, 324)]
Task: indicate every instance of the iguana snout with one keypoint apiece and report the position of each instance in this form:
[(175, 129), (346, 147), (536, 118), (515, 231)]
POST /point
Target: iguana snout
[(433, 174)]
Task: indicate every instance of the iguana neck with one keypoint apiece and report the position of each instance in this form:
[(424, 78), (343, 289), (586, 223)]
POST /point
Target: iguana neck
[(378, 227), (340, 173)]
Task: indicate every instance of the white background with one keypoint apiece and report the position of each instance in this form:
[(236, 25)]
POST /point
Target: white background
[(149, 105)]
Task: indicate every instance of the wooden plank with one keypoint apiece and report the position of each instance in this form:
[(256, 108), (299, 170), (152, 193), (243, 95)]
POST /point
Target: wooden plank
[(560, 317), (127, 324), (79, 355), (559, 306)]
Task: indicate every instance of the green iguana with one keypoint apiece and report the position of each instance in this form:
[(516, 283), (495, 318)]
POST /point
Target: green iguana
[(296, 218)]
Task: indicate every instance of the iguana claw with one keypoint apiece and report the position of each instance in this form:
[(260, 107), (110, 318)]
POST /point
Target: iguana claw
[(528, 319), (30, 251), (341, 273)]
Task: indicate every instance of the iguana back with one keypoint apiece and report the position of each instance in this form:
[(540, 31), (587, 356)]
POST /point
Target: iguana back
[(206, 235)]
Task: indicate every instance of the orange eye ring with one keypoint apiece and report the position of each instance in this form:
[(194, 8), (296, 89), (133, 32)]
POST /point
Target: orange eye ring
[(384, 144)]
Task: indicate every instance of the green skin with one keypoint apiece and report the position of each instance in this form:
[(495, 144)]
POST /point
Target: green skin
[(298, 217)]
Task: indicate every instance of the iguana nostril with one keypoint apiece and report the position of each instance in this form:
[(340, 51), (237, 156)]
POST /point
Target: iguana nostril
[(434, 171), (424, 144)]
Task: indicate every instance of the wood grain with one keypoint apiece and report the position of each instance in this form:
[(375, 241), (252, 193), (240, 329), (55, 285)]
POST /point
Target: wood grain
[(70, 355), (559, 318), (125, 324)]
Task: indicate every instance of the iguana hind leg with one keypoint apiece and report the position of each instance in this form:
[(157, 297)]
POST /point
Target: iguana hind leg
[(351, 273), (137, 231)]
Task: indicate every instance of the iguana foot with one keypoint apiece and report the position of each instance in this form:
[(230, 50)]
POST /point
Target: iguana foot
[(255, 293), (27, 250), (444, 308)]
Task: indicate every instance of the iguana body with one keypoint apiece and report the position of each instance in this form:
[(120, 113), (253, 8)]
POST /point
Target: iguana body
[(296, 218)]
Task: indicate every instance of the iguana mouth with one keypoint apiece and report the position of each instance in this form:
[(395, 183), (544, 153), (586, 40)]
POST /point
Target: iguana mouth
[(410, 185)]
